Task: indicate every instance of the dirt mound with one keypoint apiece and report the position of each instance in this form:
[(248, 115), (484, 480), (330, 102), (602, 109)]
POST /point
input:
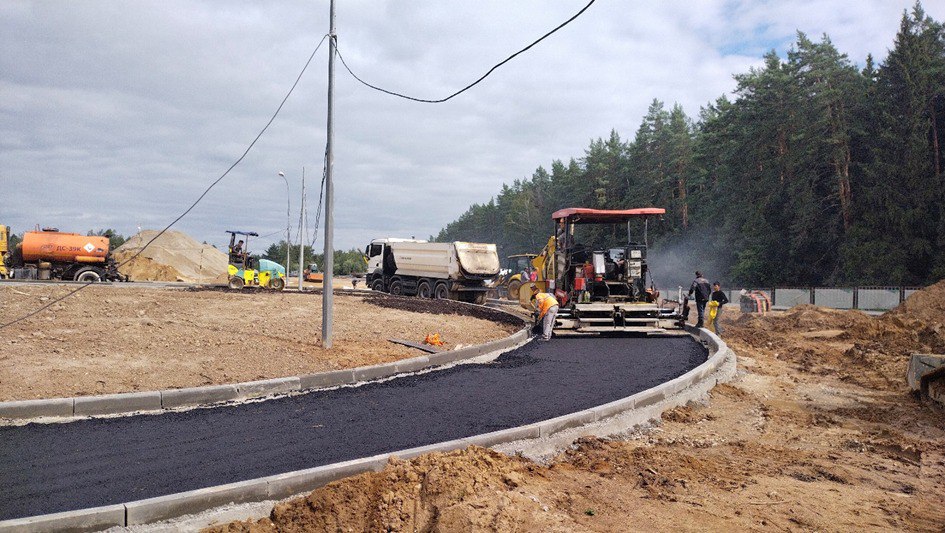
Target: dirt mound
[(174, 256), (923, 313), (464, 490)]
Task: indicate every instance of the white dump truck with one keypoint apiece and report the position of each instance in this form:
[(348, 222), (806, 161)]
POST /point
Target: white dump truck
[(453, 270)]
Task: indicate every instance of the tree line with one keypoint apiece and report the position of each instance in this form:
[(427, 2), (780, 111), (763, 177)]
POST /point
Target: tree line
[(815, 172)]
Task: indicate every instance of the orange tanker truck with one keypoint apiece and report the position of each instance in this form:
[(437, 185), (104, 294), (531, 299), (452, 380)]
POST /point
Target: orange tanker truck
[(52, 254)]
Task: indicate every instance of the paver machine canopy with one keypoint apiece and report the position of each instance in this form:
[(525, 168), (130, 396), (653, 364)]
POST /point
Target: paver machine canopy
[(599, 277)]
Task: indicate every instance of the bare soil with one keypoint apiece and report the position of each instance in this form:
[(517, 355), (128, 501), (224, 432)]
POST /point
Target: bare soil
[(107, 339), (818, 431)]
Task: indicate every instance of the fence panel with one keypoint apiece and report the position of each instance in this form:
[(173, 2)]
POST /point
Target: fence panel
[(790, 297), (877, 298), (910, 290), (835, 298)]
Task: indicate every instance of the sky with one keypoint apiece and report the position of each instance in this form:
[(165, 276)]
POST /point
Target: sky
[(118, 115)]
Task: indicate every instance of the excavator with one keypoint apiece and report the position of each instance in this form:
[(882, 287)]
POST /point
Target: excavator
[(602, 288)]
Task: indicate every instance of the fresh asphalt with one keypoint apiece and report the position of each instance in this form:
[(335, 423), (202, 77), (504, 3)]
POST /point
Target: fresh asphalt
[(48, 468)]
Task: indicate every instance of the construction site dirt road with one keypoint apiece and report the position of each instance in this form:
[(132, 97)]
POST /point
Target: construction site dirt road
[(106, 339)]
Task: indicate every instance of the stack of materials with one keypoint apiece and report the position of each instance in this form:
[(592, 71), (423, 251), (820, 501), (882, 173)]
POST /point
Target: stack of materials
[(174, 256)]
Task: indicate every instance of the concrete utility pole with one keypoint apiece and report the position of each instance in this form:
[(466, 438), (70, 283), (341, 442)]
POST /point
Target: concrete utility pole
[(302, 234), (288, 223), (328, 296)]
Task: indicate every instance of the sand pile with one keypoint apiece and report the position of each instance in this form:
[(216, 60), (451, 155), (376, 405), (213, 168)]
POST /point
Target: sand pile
[(923, 313), (174, 256), (465, 490)]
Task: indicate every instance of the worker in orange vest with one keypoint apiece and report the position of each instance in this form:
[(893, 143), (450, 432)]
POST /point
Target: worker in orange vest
[(547, 307)]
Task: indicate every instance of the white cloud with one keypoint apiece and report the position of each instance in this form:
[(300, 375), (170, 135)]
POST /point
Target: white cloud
[(118, 116)]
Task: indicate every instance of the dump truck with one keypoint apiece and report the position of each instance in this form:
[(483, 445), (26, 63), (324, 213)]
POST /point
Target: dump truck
[(601, 284), (441, 270), (53, 254)]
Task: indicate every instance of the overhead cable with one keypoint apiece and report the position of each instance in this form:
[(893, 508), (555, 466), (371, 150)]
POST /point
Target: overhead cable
[(471, 85)]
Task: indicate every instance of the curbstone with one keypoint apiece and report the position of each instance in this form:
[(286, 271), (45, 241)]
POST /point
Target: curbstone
[(36, 408), (266, 387), (367, 373), (614, 408), (291, 483), (412, 365), (117, 403), (93, 519), (486, 440), (648, 397), (452, 356), (567, 421), (194, 501), (198, 396), (326, 379), (442, 447)]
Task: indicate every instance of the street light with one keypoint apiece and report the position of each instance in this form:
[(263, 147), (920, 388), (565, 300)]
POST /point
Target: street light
[(287, 223)]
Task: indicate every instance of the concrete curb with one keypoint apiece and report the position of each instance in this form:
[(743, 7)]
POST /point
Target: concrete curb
[(290, 483), (163, 400)]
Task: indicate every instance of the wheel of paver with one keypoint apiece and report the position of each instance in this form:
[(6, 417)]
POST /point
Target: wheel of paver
[(424, 290), (480, 298), (396, 287), (377, 285), (89, 274), (514, 286), (236, 282), (441, 291), (277, 284)]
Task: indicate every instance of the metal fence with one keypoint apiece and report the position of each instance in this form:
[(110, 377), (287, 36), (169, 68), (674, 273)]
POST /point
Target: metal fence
[(862, 298)]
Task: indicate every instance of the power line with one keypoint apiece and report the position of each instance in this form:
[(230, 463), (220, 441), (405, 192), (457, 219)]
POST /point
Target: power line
[(197, 201), (471, 85)]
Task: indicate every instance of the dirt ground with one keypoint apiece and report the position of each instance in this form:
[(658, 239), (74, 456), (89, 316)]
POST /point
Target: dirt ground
[(817, 432), (106, 340)]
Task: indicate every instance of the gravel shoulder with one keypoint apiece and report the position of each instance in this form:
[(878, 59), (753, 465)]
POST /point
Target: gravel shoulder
[(107, 340)]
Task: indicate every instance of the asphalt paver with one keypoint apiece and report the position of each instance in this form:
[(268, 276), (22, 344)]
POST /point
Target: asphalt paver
[(47, 468)]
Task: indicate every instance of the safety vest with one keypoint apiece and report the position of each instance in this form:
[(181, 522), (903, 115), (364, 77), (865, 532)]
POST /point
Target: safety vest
[(544, 301)]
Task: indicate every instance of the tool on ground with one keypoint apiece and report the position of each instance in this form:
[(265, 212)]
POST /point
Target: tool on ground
[(433, 339)]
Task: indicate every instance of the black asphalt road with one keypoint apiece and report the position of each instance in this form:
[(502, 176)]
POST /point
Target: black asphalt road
[(47, 468)]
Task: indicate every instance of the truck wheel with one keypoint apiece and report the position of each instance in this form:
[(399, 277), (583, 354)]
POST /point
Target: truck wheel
[(441, 292), (89, 274), (377, 285), (396, 287), (424, 290), (236, 282), (480, 298), (277, 284), (514, 286)]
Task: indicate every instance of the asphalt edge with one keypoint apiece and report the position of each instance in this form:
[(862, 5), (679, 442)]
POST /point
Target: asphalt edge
[(213, 395), (662, 397)]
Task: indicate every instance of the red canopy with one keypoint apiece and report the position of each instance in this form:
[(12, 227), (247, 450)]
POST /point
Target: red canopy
[(582, 215)]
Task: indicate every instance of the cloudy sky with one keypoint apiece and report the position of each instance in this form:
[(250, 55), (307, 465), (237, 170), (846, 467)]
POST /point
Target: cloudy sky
[(119, 114)]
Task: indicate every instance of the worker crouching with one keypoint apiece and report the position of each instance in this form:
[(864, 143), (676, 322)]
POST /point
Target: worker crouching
[(547, 309)]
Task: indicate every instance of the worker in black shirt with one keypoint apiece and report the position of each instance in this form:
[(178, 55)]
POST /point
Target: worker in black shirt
[(700, 286), (722, 299)]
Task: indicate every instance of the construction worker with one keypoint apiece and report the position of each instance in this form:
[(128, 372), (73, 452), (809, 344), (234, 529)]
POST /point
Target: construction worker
[(547, 307), (722, 299), (703, 291)]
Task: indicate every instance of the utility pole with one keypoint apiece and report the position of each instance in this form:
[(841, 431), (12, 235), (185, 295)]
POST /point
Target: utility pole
[(288, 222), (302, 234), (328, 296)]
